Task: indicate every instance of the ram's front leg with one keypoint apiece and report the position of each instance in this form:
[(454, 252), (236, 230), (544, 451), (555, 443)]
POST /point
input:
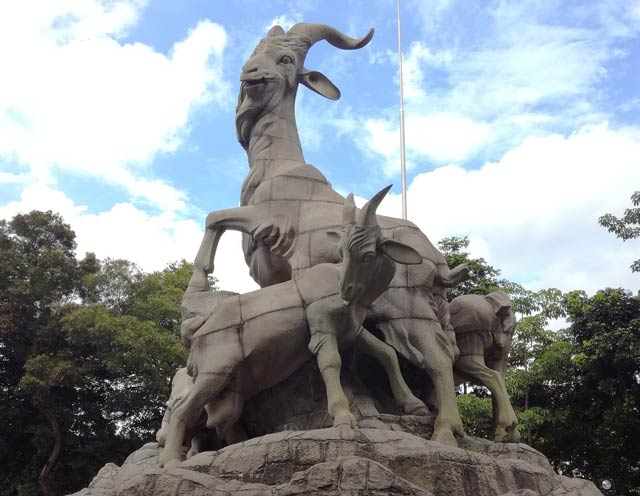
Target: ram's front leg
[(325, 346), (244, 219), (386, 356)]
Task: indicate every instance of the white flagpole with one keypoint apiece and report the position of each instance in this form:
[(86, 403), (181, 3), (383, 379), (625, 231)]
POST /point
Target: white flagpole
[(403, 169)]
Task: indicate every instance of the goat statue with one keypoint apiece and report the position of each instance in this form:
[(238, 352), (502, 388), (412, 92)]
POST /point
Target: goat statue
[(253, 341), (197, 437), (484, 326), (288, 206)]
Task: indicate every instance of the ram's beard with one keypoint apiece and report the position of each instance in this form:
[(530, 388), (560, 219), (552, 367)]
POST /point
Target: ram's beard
[(248, 112), (246, 117)]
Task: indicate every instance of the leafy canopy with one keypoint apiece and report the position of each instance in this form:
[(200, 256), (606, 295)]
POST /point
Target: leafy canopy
[(87, 350), (626, 227)]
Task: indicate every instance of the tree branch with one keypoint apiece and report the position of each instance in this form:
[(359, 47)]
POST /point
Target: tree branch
[(45, 475)]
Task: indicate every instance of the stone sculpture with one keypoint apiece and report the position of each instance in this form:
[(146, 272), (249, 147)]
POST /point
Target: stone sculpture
[(197, 437), (254, 341), (288, 206), (342, 462), (310, 303), (484, 326)]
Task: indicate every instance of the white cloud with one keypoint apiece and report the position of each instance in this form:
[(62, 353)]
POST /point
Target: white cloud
[(432, 11), (412, 68), (285, 21), (527, 53), (479, 88), (440, 137), (73, 97), (125, 231), (534, 213)]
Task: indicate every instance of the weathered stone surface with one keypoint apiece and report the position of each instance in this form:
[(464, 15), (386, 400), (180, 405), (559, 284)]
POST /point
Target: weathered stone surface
[(342, 461), (202, 303), (565, 487), (103, 483), (574, 487), (506, 451), (300, 403), (521, 492)]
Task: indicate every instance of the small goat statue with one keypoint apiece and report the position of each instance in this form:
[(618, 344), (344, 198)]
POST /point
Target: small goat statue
[(484, 326), (288, 207), (254, 341)]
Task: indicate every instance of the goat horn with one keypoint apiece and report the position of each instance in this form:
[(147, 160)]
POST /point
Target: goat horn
[(367, 217), (275, 31), (349, 210), (317, 32)]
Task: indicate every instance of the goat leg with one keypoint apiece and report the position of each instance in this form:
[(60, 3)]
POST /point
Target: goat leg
[(325, 345), (386, 356), (243, 219)]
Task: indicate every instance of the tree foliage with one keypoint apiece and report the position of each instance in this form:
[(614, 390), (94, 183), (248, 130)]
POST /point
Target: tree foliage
[(605, 332), (476, 412), (626, 227), (582, 387), (87, 350), (483, 277), (576, 392)]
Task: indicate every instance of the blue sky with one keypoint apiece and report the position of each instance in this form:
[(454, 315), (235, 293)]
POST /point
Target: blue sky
[(522, 123)]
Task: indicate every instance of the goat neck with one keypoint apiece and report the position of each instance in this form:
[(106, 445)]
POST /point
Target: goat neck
[(274, 143)]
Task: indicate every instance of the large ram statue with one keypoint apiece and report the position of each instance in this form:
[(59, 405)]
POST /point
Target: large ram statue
[(288, 206)]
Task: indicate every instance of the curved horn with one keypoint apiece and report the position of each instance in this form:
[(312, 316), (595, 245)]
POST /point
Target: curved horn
[(317, 32), (275, 31), (367, 217), (349, 210)]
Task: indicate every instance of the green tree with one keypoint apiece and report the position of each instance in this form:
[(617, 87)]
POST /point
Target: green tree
[(156, 297), (36, 282), (483, 277), (605, 332), (540, 368), (112, 283), (627, 227), (87, 350), (582, 387), (476, 412)]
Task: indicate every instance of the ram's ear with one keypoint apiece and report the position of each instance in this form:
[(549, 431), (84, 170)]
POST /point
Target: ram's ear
[(318, 82), (334, 237), (399, 252)]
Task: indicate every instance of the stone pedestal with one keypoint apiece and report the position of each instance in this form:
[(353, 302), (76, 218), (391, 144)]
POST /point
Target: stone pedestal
[(342, 462)]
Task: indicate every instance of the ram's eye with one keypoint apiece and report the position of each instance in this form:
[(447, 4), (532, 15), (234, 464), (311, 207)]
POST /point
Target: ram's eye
[(286, 59), (367, 257)]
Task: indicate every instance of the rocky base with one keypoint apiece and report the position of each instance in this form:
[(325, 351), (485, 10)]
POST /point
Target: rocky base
[(342, 461)]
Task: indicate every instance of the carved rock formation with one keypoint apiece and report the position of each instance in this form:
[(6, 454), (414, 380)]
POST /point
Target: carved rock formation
[(342, 461)]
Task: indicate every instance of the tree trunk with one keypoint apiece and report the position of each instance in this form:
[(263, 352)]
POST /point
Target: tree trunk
[(45, 475)]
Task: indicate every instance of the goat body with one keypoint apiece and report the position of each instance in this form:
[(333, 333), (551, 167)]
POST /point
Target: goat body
[(484, 326), (260, 338)]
